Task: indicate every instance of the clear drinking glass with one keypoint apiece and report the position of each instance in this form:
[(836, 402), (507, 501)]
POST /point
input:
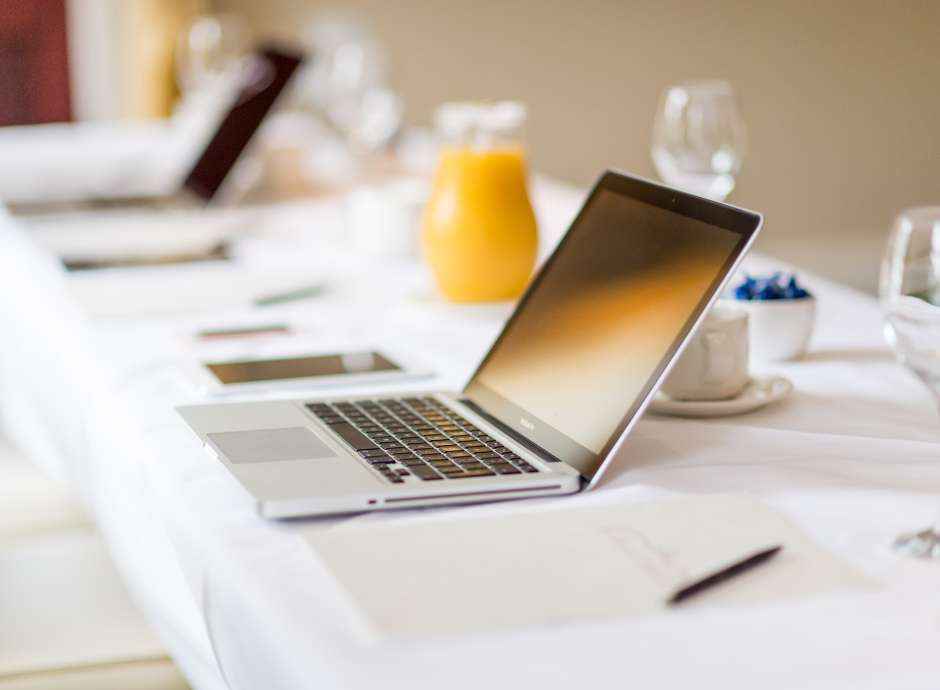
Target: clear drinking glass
[(699, 138), (910, 299), (207, 47), (349, 83)]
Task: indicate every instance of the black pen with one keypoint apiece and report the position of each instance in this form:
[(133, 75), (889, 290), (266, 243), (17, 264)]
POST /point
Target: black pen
[(725, 573)]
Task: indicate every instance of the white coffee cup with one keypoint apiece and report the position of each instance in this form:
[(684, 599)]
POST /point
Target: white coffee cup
[(714, 365), (385, 220)]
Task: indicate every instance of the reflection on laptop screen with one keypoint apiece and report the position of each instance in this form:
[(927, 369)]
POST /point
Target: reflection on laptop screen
[(585, 347)]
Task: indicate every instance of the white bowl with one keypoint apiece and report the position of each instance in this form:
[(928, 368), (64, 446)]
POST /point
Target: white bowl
[(779, 329)]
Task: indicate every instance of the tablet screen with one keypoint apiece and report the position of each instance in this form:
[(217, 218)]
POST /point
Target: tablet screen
[(257, 370)]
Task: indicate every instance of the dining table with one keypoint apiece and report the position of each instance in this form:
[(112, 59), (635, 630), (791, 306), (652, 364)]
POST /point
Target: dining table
[(93, 365)]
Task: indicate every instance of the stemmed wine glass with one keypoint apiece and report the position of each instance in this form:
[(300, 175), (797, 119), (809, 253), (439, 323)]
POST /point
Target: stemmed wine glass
[(699, 138), (910, 299), (209, 46), (349, 85)]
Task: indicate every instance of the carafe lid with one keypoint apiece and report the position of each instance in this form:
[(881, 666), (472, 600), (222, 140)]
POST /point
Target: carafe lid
[(480, 124)]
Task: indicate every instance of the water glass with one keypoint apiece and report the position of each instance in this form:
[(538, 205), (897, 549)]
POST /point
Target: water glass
[(699, 138), (910, 300), (348, 83), (208, 47)]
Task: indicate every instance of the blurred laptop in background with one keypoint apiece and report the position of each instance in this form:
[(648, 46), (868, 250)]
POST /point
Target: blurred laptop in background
[(107, 217)]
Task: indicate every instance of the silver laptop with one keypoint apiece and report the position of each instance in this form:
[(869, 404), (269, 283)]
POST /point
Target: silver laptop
[(549, 405), (259, 86), (156, 227)]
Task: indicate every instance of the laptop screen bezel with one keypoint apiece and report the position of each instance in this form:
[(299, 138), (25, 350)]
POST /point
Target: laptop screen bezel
[(231, 137), (746, 224)]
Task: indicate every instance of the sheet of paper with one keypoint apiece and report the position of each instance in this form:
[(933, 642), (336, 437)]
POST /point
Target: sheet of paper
[(431, 575)]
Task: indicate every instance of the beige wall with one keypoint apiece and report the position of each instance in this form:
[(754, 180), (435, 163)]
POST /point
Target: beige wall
[(842, 99)]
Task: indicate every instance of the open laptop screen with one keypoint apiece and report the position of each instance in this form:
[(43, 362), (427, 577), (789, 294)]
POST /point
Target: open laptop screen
[(266, 75), (603, 318)]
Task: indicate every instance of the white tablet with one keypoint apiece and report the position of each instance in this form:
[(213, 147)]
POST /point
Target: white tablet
[(313, 370)]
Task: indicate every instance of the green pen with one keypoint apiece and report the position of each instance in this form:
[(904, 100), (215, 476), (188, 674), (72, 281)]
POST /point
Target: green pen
[(289, 295), (243, 331)]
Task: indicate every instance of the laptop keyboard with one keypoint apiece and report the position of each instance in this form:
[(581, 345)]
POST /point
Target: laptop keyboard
[(418, 437)]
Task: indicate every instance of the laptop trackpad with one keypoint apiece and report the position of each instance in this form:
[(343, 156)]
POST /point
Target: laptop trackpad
[(271, 445)]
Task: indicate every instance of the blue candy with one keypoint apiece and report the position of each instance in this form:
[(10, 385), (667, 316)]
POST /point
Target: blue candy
[(794, 291), (745, 290), (771, 288)]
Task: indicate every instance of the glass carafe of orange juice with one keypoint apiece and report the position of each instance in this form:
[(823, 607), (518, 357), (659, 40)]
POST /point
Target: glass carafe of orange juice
[(480, 236)]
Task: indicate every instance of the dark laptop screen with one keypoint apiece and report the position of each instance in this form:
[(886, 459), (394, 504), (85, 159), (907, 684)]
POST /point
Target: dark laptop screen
[(600, 322), (265, 78)]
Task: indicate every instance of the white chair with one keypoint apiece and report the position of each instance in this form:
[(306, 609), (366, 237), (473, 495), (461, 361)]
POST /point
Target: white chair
[(66, 620)]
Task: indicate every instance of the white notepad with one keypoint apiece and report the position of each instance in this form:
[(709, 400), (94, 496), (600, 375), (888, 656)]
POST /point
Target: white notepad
[(435, 574)]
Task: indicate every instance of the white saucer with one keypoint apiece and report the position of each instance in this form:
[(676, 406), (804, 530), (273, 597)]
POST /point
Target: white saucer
[(759, 392)]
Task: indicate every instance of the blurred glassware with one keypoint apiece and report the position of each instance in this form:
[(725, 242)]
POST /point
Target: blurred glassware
[(480, 234), (208, 47), (910, 299), (699, 138), (348, 83)]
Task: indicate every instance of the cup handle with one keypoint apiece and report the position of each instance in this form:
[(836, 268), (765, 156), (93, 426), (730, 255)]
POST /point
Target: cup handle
[(720, 364)]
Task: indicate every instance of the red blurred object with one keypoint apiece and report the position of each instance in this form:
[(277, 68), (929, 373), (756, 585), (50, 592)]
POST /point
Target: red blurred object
[(34, 70)]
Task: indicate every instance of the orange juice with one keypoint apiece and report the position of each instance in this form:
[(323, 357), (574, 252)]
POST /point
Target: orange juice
[(480, 236)]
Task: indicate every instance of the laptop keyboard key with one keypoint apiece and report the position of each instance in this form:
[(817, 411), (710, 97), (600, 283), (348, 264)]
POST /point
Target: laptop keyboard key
[(425, 473), (474, 473), (352, 436)]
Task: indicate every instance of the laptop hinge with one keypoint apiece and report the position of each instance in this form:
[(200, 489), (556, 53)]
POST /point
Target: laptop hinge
[(510, 432)]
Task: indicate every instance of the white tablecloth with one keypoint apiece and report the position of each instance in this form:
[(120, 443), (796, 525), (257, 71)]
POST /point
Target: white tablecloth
[(853, 457)]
